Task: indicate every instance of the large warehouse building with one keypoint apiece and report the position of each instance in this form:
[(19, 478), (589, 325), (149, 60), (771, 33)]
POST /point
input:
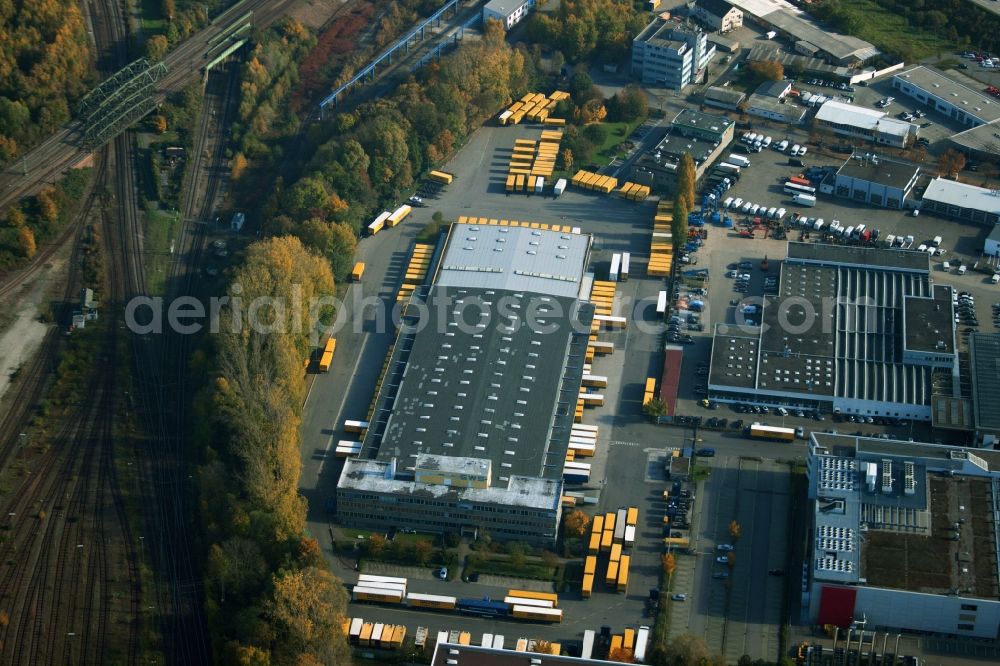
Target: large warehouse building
[(851, 330), (472, 420), (904, 536)]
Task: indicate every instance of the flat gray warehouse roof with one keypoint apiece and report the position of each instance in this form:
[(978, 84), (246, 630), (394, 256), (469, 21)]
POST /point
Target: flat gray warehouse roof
[(885, 172), (515, 259), (479, 382)]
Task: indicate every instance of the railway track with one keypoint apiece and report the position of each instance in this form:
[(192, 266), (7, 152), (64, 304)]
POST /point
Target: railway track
[(70, 568), (47, 161)]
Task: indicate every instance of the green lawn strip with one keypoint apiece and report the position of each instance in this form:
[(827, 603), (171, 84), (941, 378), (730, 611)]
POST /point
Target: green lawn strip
[(161, 227), (617, 132), (152, 17), (501, 565)]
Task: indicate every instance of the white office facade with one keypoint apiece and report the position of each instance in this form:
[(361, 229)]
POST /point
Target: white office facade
[(508, 12), (673, 57)]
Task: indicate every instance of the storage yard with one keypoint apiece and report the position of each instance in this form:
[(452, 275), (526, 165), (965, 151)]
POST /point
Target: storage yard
[(616, 466)]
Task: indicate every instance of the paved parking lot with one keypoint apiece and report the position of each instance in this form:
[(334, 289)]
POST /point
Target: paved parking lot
[(742, 613)]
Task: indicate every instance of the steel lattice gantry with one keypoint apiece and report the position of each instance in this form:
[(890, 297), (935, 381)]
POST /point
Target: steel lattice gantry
[(124, 98)]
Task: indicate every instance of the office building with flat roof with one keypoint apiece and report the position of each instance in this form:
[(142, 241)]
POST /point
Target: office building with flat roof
[(903, 536), (852, 330), (472, 419), (704, 136), (961, 201), (876, 180), (669, 54)]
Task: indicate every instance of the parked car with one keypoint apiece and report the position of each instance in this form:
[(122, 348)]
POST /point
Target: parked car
[(679, 597)]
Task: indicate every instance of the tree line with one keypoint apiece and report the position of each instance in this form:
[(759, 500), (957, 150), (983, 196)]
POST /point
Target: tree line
[(270, 597), (365, 160), (588, 30), (962, 23), (44, 69)]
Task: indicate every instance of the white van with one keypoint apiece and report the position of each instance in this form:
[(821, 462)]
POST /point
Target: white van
[(996, 278), (962, 269)]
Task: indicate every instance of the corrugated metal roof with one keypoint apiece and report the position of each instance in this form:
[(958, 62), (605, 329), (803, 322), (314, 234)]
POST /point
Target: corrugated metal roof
[(984, 357)]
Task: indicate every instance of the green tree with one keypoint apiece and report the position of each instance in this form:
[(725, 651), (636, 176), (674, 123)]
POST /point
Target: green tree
[(306, 610), (156, 47), (628, 104), (686, 180), (576, 523), (679, 225), (595, 133), (769, 70), (655, 408)]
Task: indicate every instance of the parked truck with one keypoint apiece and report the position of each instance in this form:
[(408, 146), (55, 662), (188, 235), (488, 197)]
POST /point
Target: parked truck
[(560, 187), (807, 200), (728, 168), (738, 160), (358, 271)]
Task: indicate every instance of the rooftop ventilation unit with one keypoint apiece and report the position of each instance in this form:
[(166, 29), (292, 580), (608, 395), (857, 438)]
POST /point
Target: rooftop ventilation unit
[(886, 476), (909, 479)]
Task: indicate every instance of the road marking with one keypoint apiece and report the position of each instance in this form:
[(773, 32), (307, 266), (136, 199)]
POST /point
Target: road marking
[(616, 442)]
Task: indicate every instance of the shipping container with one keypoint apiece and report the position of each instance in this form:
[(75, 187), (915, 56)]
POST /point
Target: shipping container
[(632, 515), (441, 177), (611, 322), (537, 614), (430, 601), (379, 222), (616, 643), (587, 650), (355, 631), (465, 638), (590, 564), (358, 271), (364, 638), (616, 552), (611, 578), (357, 426), (587, 589), (498, 642), (661, 303), (630, 535), (398, 636), (522, 645), (628, 639), (377, 595), (616, 260), (511, 182), (623, 567), (527, 594), (595, 543), (583, 449), (641, 640), (487, 641), (626, 260), (521, 601), (398, 215), (620, 532), (597, 525)]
